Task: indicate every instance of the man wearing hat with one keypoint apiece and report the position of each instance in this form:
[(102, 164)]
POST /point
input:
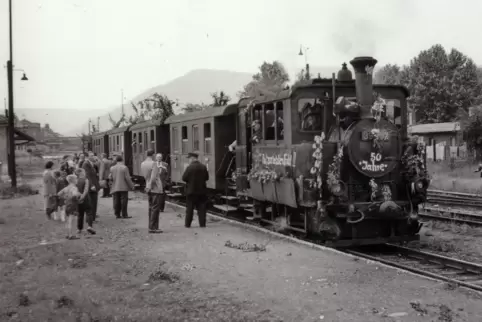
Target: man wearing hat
[(195, 176)]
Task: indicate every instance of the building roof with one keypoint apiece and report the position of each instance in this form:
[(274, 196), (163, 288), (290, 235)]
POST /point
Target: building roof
[(206, 113), (20, 136), (434, 128)]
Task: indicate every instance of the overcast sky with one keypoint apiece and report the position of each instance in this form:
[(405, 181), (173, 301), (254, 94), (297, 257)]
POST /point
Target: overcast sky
[(80, 53)]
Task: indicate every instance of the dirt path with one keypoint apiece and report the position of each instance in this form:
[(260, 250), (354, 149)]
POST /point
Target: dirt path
[(125, 274)]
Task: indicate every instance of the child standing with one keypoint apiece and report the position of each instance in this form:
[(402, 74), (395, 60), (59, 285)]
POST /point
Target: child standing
[(71, 196), (61, 178)]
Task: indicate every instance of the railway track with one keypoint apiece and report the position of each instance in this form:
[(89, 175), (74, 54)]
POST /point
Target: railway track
[(449, 215), (466, 200), (438, 267), (453, 271), (440, 203)]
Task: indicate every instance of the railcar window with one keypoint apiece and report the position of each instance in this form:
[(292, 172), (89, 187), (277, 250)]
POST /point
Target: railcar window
[(134, 143), (139, 137), (269, 122), (257, 124), (153, 140), (117, 144), (311, 114), (207, 138), (175, 139), (279, 121), (184, 139), (146, 141), (392, 111), (122, 143), (195, 138)]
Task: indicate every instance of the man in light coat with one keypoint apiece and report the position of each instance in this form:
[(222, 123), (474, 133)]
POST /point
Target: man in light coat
[(121, 184), (146, 170), (104, 175), (156, 187)]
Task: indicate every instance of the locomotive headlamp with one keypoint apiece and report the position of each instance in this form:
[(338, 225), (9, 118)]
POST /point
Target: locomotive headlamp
[(351, 208), (420, 185)]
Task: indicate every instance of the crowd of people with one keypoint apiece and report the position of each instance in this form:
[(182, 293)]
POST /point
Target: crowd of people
[(72, 190)]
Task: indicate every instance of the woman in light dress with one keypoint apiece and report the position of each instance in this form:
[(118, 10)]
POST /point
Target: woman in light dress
[(49, 189)]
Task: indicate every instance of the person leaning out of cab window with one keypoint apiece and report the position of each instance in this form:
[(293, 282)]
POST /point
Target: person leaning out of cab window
[(256, 132)]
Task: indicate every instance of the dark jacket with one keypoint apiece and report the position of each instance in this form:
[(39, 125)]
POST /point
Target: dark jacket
[(195, 176), (92, 175), (66, 168)]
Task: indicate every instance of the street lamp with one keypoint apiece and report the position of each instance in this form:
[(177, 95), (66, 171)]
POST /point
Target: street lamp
[(11, 124)]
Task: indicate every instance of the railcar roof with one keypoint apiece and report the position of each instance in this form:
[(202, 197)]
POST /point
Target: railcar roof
[(144, 124), (323, 83), (206, 113), (118, 130), (99, 134)]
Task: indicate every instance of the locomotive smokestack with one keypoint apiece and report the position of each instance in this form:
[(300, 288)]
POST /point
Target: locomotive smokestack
[(364, 83)]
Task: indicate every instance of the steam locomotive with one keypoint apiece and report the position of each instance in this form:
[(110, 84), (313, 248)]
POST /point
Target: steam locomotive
[(329, 158)]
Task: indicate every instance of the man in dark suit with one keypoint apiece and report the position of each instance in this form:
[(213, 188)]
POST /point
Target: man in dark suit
[(195, 176), (93, 177), (104, 175), (121, 184)]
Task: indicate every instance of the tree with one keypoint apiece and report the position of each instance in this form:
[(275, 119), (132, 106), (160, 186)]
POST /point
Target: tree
[(156, 107), (190, 107), (117, 124), (302, 77), (391, 75), (220, 99), (472, 127), (440, 83), (271, 79)]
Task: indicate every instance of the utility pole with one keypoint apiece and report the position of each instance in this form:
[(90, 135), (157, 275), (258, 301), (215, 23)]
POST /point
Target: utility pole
[(98, 123), (122, 101), (305, 53), (11, 124)]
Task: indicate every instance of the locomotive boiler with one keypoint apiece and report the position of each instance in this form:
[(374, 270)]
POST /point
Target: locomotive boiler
[(332, 159)]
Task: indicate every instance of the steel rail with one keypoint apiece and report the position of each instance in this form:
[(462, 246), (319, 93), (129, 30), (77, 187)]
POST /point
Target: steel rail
[(435, 266)]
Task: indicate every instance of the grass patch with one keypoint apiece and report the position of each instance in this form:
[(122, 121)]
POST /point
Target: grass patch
[(440, 245), (461, 178), (455, 228), (7, 192)]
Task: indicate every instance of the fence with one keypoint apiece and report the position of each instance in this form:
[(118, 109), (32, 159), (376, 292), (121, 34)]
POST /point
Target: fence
[(445, 152)]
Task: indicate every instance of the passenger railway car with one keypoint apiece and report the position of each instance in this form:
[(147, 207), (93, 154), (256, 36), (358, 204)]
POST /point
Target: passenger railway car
[(120, 143), (148, 135), (332, 158), (100, 143), (208, 132)]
